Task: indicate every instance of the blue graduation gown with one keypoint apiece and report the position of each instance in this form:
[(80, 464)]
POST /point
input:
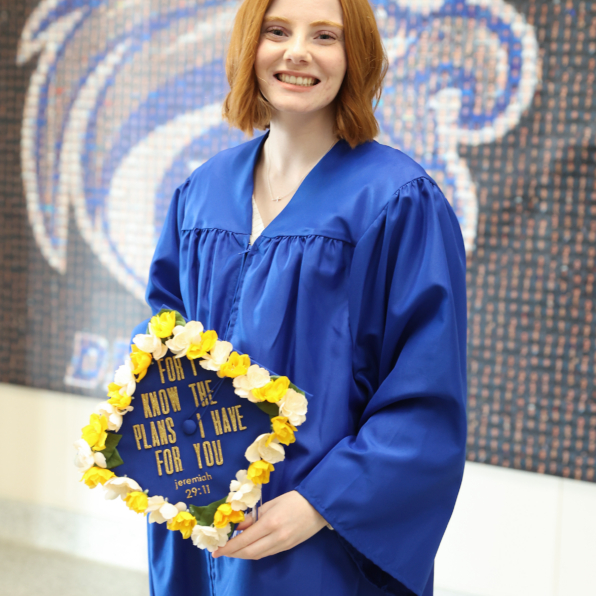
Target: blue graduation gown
[(356, 292)]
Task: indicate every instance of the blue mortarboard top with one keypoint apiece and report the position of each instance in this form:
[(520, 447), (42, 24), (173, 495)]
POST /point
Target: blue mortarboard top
[(188, 433)]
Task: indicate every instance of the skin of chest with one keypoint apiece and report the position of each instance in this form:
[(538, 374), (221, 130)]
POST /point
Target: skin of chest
[(268, 208)]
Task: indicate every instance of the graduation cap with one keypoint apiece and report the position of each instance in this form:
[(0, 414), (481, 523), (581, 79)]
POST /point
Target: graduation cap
[(188, 432)]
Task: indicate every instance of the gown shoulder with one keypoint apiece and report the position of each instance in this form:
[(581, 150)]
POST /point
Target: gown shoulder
[(339, 199)]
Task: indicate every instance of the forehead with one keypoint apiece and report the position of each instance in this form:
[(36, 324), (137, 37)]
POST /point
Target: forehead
[(308, 11)]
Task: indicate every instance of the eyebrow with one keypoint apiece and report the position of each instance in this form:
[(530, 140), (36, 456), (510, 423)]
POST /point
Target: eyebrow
[(315, 24), (328, 23)]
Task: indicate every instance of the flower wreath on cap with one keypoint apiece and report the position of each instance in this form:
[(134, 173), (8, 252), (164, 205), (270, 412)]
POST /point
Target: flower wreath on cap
[(210, 526)]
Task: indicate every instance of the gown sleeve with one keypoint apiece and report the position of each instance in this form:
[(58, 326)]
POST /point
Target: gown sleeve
[(163, 289), (390, 489)]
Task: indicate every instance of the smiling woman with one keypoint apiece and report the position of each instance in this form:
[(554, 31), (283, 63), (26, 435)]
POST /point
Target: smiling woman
[(346, 35), (353, 285)]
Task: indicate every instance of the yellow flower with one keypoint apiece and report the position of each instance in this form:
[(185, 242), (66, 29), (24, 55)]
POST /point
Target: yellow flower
[(184, 522), (137, 501), (272, 391), (207, 343), (259, 471), (95, 432), (163, 325), (283, 430), (226, 515), (94, 476), (113, 390), (116, 398), (140, 361), (235, 366)]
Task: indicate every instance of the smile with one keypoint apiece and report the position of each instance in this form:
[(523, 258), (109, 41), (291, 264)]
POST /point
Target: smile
[(300, 81)]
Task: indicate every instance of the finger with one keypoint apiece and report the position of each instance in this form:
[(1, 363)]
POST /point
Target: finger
[(255, 550), (262, 509), (255, 514), (248, 521), (256, 531)]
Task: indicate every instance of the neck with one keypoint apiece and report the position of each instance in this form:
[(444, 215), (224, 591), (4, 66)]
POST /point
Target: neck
[(296, 141)]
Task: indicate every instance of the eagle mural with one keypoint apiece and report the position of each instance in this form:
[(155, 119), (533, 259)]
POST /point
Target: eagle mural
[(125, 102)]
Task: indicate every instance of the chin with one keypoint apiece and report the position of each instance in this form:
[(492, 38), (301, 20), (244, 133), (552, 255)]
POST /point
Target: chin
[(293, 109), (297, 106)]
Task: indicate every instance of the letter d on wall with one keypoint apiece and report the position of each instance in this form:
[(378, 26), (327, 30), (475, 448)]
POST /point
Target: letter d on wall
[(89, 360)]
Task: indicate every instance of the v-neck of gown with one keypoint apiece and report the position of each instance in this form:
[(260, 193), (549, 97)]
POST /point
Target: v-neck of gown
[(257, 222), (293, 209)]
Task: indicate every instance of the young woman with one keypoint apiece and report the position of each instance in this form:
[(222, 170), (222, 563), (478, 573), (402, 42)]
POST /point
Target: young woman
[(338, 262)]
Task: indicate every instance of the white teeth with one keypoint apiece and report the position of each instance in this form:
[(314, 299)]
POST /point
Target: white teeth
[(301, 81)]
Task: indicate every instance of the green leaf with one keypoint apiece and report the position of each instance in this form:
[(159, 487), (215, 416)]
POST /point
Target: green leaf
[(112, 441), (114, 461), (272, 410), (232, 530), (204, 515)]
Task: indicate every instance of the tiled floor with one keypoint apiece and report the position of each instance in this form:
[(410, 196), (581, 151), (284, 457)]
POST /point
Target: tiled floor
[(25, 571)]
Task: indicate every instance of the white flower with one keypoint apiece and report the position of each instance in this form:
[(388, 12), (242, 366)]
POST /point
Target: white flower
[(120, 486), (210, 537), (150, 344), (272, 453), (184, 337), (219, 355), (293, 405), (244, 492), (124, 377), (113, 415), (255, 377), (161, 511), (86, 458)]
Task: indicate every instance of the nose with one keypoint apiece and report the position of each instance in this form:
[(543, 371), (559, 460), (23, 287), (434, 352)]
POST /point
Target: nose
[(297, 50)]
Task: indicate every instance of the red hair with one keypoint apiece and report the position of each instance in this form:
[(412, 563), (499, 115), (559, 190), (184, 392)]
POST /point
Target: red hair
[(358, 96)]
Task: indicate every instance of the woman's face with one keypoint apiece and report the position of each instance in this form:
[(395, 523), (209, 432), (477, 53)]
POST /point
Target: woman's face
[(301, 58)]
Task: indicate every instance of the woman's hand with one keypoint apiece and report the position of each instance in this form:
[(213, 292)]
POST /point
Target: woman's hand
[(283, 523)]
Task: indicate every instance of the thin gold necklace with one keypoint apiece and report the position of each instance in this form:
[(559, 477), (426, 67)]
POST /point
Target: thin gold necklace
[(273, 198)]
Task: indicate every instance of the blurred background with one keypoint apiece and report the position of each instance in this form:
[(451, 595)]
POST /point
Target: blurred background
[(106, 106)]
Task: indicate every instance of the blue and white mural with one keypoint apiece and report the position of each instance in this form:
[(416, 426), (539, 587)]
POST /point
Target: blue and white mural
[(126, 97), (117, 101)]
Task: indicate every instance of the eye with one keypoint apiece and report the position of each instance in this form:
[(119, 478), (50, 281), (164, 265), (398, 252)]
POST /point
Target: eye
[(327, 36), (275, 31)]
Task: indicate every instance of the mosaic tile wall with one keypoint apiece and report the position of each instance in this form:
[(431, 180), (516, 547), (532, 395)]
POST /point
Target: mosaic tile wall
[(106, 106)]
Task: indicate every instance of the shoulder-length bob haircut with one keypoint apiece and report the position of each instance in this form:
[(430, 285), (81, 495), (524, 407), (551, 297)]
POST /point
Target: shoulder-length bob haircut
[(359, 94)]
